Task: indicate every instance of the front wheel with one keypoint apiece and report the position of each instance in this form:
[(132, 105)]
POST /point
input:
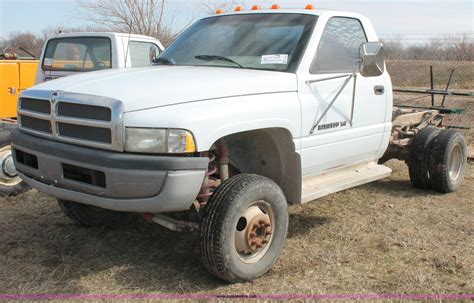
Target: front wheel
[(10, 183), (244, 228)]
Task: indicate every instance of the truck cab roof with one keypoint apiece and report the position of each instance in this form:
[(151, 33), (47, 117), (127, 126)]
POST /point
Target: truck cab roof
[(315, 12), (102, 34)]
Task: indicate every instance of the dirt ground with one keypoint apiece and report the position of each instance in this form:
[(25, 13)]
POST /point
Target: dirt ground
[(384, 237)]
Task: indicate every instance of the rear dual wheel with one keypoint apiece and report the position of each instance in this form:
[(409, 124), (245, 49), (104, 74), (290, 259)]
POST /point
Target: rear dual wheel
[(244, 228), (438, 159)]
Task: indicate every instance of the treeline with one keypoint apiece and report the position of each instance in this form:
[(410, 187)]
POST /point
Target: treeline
[(454, 48)]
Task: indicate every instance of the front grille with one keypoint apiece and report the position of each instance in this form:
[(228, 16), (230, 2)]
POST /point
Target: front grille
[(40, 125), (82, 111), (36, 105), (74, 118), (84, 132)]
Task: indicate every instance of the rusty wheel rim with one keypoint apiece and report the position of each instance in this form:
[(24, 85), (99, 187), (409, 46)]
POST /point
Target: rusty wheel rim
[(254, 231)]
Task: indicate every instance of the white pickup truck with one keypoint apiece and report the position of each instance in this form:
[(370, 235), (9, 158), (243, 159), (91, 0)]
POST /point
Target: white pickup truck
[(71, 54), (243, 114)]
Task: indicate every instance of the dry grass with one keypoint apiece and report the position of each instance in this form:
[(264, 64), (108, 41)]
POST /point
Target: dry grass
[(385, 237)]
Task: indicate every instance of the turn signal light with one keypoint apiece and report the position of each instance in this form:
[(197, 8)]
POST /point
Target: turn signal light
[(275, 6), (256, 8), (309, 6), (239, 8), (219, 11)]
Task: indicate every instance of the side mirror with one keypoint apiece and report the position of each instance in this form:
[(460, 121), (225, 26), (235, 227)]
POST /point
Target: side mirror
[(372, 59)]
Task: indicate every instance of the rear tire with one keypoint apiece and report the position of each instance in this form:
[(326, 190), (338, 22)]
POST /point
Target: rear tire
[(11, 186), (448, 161), (244, 228), (419, 157), (89, 215)]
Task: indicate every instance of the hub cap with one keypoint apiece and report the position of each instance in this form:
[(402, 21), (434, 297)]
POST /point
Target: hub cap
[(8, 175), (455, 163), (254, 232)]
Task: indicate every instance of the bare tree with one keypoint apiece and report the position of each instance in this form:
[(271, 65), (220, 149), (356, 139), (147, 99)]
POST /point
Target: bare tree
[(28, 41), (144, 17)]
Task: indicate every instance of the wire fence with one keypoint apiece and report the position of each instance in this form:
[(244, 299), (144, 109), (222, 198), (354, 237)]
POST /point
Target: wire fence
[(416, 75)]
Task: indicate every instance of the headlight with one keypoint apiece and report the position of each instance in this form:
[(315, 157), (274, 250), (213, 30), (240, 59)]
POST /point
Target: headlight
[(159, 141)]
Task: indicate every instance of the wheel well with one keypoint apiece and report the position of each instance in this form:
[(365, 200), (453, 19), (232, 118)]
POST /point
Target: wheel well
[(270, 153)]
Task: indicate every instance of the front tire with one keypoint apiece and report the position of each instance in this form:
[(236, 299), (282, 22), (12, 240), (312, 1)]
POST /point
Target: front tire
[(244, 228), (89, 215), (10, 183)]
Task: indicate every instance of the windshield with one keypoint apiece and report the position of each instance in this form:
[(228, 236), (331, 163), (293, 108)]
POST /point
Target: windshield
[(77, 54), (256, 41)]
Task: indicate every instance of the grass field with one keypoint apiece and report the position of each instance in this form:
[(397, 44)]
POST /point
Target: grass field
[(385, 237)]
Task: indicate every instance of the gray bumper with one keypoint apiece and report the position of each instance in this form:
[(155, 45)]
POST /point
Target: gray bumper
[(111, 180)]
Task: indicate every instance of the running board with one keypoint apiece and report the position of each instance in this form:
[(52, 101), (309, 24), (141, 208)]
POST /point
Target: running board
[(341, 179)]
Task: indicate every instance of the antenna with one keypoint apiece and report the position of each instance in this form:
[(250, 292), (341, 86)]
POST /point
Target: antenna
[(128, 42)]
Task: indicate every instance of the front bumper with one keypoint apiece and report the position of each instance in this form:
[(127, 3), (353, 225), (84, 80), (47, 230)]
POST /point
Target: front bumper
[(111, 180)]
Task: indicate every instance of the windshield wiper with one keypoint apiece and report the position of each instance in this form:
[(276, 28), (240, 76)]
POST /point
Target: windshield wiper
[(215, 57), (162, 60)]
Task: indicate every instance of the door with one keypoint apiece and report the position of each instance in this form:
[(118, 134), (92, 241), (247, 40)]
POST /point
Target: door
[(9, 87), (343, 116)]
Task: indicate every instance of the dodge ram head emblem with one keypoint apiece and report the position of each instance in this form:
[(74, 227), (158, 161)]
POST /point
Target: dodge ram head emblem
[(54, 97)]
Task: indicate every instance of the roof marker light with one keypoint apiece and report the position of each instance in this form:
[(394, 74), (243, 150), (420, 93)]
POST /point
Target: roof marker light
[(309, 6), (275, 6), (239, 8), (256, 7), (219, 11)]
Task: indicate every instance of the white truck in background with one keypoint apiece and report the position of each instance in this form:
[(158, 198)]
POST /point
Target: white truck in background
[(244, 113), (71, 54)]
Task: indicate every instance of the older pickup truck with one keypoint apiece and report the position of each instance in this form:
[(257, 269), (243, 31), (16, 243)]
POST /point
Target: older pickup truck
[(243, 114)]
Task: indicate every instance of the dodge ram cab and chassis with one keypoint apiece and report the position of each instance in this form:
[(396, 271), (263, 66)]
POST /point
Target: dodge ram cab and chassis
[(243, 114)]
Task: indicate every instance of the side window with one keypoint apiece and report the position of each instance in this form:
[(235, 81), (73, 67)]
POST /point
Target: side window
[(339, 46), (142, 53)]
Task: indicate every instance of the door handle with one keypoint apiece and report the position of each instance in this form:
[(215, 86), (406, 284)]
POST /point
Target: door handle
[(379, 89)]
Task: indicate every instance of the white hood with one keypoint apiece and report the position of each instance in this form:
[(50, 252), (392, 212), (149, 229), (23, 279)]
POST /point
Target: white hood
[(167, 85)]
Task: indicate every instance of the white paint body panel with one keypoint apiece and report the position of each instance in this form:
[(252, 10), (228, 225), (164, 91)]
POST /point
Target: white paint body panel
[(213, 102)]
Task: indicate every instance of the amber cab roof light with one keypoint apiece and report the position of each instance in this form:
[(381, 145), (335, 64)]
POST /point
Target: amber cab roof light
[(309, 6), (239, 8), (256, 7), (275, 6), (219, 11)]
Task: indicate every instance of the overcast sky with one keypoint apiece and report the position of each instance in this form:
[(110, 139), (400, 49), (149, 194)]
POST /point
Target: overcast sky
[(411, 18)]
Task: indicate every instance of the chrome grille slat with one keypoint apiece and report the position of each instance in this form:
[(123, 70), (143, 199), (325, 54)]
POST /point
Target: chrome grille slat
[(93, 123), (73, 118)]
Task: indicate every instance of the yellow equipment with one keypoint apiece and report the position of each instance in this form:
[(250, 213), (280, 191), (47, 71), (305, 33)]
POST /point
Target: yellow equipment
[(15, 77)]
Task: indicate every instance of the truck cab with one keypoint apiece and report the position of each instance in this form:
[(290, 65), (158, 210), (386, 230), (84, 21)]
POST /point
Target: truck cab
[(73, 53), (243, 114)]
